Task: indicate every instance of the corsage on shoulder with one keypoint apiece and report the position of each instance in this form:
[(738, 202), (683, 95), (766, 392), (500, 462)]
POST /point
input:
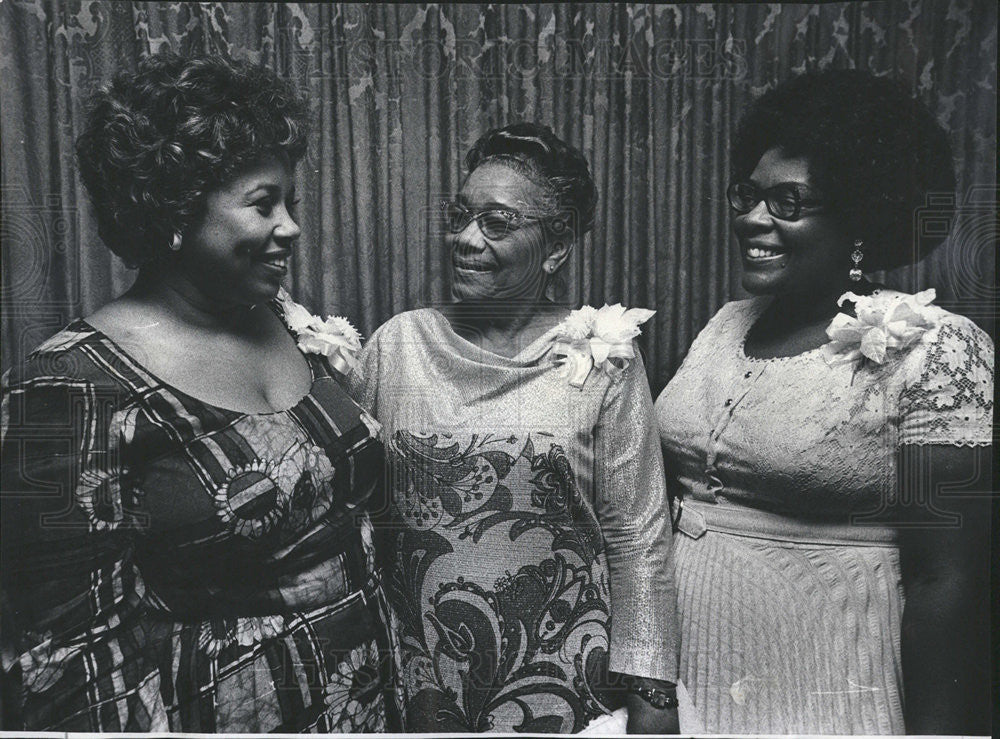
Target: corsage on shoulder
[(591, 337), (883, 323), (333, 337)]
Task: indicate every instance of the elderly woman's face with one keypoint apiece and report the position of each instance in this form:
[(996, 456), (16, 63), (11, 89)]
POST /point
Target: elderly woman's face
[(809, 254), (238, 252), (506, 268)]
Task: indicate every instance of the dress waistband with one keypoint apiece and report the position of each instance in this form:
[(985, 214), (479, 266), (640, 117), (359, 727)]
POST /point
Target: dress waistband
[(697, 517)]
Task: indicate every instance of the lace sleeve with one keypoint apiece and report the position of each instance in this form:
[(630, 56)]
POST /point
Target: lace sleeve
[(949, 398)]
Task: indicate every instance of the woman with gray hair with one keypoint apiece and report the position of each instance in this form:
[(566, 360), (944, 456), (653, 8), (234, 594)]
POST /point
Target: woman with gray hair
[(531, 568)]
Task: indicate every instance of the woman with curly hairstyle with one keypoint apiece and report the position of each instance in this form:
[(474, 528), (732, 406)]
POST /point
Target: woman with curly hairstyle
[(531, 543), (185, 543), (826, 438)]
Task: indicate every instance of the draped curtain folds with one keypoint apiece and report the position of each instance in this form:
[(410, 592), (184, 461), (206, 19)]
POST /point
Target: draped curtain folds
[(650, 93)]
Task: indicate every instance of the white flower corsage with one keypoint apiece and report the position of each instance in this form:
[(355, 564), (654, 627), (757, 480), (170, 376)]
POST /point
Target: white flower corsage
[(882, 323), (591, 338), (334, 337)]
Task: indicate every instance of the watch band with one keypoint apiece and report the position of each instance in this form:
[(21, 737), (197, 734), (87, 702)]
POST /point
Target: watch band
[(654, 697)]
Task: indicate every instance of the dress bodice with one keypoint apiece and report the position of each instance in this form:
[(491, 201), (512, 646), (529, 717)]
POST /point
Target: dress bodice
[(798, 436), (187, 547)]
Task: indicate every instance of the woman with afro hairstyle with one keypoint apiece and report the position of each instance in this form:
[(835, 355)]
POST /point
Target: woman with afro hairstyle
[(185, 543), (826, 438)]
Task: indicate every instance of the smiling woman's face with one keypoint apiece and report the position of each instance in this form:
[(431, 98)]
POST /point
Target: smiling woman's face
[(504, 269), (237, 254), (808, 255)]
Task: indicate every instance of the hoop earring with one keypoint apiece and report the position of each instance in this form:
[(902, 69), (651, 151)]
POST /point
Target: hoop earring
[(856, 256)]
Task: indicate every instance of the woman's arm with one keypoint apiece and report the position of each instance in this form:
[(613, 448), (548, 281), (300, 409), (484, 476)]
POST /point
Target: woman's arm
[(944, 496), (944, 483), (70, 592), (631, 505)]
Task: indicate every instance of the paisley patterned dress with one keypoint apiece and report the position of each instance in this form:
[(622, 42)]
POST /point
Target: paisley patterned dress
[(173, 566), (789, 584), (529, 530)]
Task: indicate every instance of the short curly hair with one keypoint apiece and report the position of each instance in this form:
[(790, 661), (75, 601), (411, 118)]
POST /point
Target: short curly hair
[(158, 140), (874, 151), (537, 152)]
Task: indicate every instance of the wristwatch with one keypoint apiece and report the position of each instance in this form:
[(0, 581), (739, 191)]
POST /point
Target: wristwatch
[(654, 697)]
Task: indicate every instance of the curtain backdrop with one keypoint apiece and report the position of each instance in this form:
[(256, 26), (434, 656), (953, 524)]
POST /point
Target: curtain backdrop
[(650, 94)]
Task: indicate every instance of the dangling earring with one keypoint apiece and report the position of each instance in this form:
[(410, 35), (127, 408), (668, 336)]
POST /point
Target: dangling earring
[(175, 244), (856, 256)]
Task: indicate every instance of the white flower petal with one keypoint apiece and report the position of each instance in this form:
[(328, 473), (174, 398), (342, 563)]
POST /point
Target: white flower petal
[(611, 326), (600, 349), (615, 324), (340, 326), (845, 328), (884, 322), (296, 316), (599, 335), (902, 334), (638, 315), (853, 297), (836, 353), (579, 365), (621, 351), (615, 311), (870, 315), (873, 345)]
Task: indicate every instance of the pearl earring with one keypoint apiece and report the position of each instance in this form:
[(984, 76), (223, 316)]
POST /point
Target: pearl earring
[(175, 244)]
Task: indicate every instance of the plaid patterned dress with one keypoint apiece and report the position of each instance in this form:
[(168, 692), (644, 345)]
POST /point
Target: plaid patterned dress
[(173, 566)]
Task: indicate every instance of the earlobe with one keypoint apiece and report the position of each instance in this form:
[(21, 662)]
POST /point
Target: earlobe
[(558, 256), (555, 282)]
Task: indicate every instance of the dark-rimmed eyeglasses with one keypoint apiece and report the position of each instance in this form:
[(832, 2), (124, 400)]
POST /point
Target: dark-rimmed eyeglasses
[(785, 200), (495, 223)]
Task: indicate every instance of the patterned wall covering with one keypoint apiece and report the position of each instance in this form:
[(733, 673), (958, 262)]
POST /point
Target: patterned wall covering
[(650, 93)]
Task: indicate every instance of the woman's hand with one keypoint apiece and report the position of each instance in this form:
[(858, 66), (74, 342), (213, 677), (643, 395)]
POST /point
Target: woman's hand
[(644, 717)]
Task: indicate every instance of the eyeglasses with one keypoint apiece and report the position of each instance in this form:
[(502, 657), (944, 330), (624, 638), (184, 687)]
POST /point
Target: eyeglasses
[(495, 223), (785, 200)]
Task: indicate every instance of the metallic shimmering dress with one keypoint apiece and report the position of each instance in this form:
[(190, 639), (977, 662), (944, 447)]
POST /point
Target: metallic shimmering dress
[(531, 541)]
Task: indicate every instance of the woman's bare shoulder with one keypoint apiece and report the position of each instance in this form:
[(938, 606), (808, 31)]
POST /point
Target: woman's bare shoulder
[(123, 318)]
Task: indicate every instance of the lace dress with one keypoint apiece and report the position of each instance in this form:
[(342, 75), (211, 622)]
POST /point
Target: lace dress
[(532, 539), (789, 592), (173, 566)]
